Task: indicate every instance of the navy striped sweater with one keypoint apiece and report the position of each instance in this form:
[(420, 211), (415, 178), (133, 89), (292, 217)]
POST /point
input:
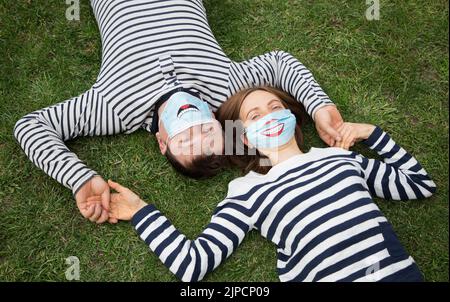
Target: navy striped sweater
[(149, 48), (317, 208)]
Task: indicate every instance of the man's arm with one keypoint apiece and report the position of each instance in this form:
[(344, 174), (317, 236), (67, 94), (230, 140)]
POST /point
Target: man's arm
[(42, 134), (281, 70)]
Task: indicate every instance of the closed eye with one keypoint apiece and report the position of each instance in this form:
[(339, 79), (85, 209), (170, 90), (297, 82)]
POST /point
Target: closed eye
[(254, 117)]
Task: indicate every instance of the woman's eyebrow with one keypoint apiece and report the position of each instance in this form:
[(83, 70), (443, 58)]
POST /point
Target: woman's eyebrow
[(257, 107), (274, 100), (251, 110)]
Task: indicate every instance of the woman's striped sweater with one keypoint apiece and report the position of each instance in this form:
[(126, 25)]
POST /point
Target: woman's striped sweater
[(317, 208)]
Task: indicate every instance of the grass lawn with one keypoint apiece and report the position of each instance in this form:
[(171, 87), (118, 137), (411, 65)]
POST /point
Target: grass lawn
[(392, 72)]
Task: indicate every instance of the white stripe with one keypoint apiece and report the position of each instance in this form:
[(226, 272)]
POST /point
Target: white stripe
[(369, 261), (326, 244), (153, 226), (296, 192), (387, 271), (325, 226), (146, 218)]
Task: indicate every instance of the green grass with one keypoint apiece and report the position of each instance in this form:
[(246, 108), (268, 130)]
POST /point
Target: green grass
[(392, 72)]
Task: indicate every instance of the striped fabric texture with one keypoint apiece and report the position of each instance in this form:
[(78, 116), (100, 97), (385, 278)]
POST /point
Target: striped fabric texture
[(317, 208), (148, 49)]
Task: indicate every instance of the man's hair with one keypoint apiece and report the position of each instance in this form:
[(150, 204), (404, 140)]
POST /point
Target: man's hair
[(201, 167)]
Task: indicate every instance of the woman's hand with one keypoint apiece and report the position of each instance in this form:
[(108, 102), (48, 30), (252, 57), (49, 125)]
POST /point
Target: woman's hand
[(352, 133), (123, 205)]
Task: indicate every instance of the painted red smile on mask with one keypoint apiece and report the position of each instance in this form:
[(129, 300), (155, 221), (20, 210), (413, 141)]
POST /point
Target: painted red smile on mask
[(185, 108), (274, 131)]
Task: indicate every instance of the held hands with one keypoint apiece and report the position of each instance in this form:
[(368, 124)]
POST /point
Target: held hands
[(335, 132), (95, 212), (352, 133), (327, 121), (124, 204)]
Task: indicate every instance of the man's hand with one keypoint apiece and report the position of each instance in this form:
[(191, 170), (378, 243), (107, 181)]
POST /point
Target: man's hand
[(328, 120), (352, 133), (98, 211)]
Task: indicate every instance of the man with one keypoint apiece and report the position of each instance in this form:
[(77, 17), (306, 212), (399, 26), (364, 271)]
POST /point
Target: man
[(156, 54)]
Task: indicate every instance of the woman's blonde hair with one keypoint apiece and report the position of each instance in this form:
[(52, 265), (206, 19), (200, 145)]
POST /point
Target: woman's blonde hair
[(230, 111)]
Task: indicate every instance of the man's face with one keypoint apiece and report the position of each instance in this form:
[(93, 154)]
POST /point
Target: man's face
[(203, 139)]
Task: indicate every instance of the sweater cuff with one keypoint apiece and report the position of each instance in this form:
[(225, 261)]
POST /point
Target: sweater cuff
[(141, 214), (319, 106), (373, 138), (81, 182)]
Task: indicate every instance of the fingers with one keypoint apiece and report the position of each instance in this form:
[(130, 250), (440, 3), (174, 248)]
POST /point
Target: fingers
[(116, 186), (348, 136), (88, 211), (106, 199), (343, 130), (97, 213), (104, 217), (112, 220), (93, 200), (335, 135)]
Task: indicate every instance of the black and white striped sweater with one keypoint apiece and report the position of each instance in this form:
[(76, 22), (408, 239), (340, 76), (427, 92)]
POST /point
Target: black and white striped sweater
[(317, 208), (148, 49)]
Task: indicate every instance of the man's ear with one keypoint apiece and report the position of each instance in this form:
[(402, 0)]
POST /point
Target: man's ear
[(162, 143)]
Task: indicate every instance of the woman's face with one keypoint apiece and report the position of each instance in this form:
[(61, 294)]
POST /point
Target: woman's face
[(254, 107), (257, 105)]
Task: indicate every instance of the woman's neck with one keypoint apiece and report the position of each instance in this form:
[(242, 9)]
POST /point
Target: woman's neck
[(284, 152)]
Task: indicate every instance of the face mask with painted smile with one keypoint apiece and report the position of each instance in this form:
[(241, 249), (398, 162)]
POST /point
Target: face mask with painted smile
[(273, 130), (184, 111)]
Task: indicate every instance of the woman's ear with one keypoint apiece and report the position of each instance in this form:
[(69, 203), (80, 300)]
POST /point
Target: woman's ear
[(245, 141), (162, 143)]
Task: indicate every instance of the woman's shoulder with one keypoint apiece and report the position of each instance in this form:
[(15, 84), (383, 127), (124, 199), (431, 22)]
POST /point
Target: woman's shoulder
[(243, 184)]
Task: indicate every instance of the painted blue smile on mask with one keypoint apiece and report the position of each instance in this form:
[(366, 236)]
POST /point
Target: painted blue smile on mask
[(184, 111), (273, 130)]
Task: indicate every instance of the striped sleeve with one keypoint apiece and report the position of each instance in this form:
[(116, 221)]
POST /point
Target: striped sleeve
[(42, 133), (281, 70), (399, 176), (191, 260)]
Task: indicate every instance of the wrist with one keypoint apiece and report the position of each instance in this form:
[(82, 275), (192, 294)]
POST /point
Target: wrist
[(368, 130), (141, 205), (322, 107), (142, 213)]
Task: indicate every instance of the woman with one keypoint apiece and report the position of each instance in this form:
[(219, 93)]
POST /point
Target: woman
[(316, 207)]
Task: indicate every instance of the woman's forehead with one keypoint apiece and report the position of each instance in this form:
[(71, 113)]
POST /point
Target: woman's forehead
[(257, 98)]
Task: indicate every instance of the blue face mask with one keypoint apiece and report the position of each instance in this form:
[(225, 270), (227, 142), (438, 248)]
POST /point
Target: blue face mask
[(184, 111), (273, 130)]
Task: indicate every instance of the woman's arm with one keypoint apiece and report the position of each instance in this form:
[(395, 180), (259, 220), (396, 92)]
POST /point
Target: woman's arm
[(189, 260), (399, 176)]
